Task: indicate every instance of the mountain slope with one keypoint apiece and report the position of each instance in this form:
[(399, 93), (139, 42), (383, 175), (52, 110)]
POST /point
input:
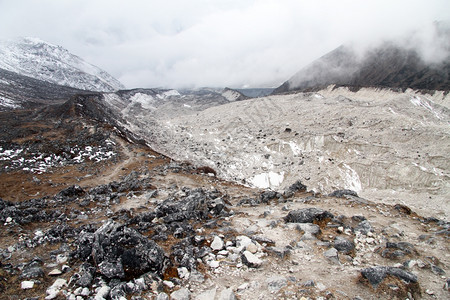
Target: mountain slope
[(40, 60), (411, 62), (18, 91), (387, 65)]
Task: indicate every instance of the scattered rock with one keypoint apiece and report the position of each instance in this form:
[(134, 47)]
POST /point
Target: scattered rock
[(119, 250), (54, 290), (332, 255), (32, 270), (251, 260), (280, 252), (252, 248), (25, 285), (183, 273), (102, 293), (55, 272), (364, 227), (217, 244), (163, 296), (276, 283), (181, 294), (377, 275), (447, 285), (243, 241), (343, 193), (343, 245), (398, 250)]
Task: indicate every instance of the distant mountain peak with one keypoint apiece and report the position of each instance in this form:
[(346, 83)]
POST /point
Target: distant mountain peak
[(35, 58)]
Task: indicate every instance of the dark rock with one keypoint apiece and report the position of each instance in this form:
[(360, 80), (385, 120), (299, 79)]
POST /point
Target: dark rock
[(308, 215), (343, 245), (118, 291), (71, 192), (309, 283), (112, 269), (436, 270), (85, 275), (266, 196), (263, 240), (358, 218), (430, 220), (101, 189), (396, 250), (403, 209), (364, 227), (376, 275), (183, 254), (280, 252), (343, 193), (32, 271), (332, 255), (120, 251), (197, 205), (4, 204), (297, 187), (248, 201)]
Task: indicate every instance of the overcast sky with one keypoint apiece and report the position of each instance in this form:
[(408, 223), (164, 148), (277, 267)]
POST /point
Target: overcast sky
[(216, 43)]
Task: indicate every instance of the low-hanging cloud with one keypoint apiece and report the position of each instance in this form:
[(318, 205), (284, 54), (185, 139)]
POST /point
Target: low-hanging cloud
[(213, 43)]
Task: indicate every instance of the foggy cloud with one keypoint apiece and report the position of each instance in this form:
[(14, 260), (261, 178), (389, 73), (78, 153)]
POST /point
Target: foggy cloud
[(218, 43)]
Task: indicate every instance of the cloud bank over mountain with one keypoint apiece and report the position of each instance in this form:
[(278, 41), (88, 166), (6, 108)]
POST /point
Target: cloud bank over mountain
[(221, 43)]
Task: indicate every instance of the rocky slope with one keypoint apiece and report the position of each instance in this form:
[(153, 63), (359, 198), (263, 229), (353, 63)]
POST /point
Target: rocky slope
[(40, 60), (18, 91), (87, 214), (336, 194)]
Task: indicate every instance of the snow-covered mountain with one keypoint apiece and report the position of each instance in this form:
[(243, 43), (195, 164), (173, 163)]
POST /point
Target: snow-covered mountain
[(43, 61)]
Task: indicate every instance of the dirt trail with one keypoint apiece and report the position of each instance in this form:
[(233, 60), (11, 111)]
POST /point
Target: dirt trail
[(130, 157)]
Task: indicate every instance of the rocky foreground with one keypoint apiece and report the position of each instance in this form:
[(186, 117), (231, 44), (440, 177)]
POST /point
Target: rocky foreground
[(138, 225)]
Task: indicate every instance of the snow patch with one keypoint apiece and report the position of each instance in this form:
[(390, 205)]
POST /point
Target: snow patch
[(267, 180), (40, 162), (8, 103), (427, 104), (143, 99), (167, 94), (351, 178)]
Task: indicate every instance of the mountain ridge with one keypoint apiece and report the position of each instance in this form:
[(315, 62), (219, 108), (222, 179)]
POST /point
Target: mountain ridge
[(38, 59), (387, 65)]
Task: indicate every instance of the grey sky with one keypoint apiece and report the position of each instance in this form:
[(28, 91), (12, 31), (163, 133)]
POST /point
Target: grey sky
[(237, 43)]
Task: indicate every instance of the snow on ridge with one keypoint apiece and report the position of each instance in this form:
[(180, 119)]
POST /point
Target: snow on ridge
[(167, 94), (38, 59), (143, 99), (231, 95)]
